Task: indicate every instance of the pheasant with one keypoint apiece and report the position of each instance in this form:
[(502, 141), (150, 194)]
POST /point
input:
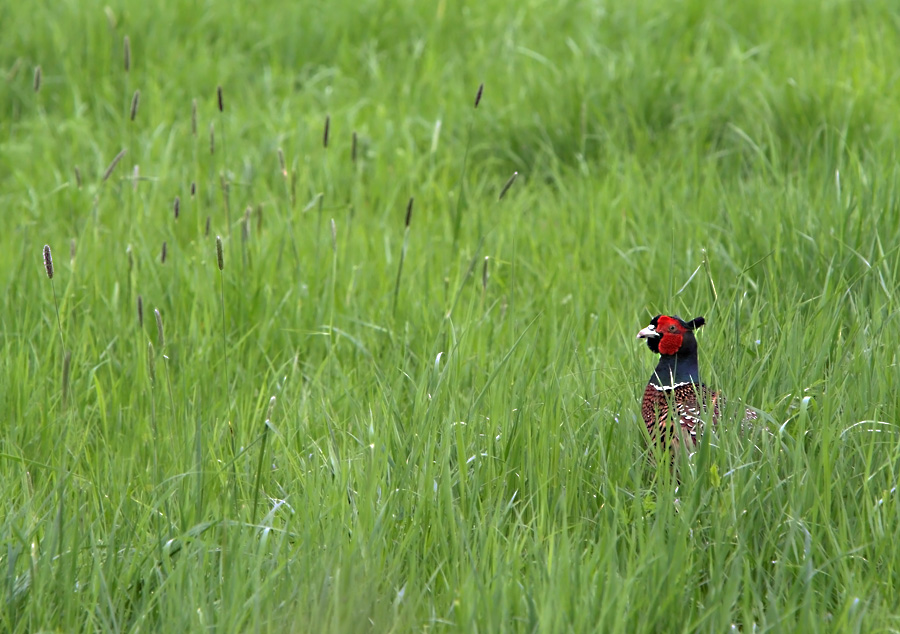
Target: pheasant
[(675, 393)]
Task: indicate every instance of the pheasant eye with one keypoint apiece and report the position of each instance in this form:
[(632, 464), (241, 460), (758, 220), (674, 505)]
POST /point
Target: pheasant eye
[(672, 328)]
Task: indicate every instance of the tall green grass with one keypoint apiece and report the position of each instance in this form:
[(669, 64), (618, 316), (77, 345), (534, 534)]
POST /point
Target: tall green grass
[(445, 453)]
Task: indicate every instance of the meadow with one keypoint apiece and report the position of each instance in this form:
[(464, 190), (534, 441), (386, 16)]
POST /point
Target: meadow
[(313, 359)]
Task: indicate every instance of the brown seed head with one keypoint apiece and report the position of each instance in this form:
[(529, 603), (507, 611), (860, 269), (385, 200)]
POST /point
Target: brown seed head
[(193, 189), (353, 148), (484, 274), (212, 139), (163, 254), (176, 206), (220, 99), (127, 50), (48, 261), (325, 135), (479, 93)]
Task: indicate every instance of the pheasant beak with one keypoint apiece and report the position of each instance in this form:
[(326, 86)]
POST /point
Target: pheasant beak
[(648, 333)]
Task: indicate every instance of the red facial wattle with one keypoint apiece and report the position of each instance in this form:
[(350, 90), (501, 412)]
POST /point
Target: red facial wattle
[(671, 335)]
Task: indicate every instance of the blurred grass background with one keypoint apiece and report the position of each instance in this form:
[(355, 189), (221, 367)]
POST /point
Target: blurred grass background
[(455, 445)]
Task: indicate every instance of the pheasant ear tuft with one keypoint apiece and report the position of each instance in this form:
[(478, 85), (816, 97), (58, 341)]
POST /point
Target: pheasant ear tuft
[(695, 323)]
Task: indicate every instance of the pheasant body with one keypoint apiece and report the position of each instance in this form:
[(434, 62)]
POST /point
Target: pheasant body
[(676, 403)]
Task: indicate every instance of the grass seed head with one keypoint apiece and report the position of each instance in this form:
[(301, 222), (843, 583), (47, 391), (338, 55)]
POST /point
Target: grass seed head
[(135, 103), (176, 206), (509, 183), (245, 224), (48, 261), (112, 166), (281, 162), (126, 45), (409, 207), (160, 333), (67, 363), (220, 256), (140, 311), (37, 79), (78, 177), (220, 99), (212, 139), (484, 274), (207, 226), (194, 117), (151, 362), (193, 189), (479, 93), (325, 135), (353, 148)]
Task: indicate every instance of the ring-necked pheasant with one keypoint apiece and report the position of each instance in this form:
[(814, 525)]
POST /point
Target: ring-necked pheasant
[(676, 403)]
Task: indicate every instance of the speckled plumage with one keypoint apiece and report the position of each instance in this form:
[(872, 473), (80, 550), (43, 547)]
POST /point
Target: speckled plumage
[(676, 404)]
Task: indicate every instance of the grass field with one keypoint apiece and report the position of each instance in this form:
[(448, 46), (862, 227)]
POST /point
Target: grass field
[(358, 426)]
